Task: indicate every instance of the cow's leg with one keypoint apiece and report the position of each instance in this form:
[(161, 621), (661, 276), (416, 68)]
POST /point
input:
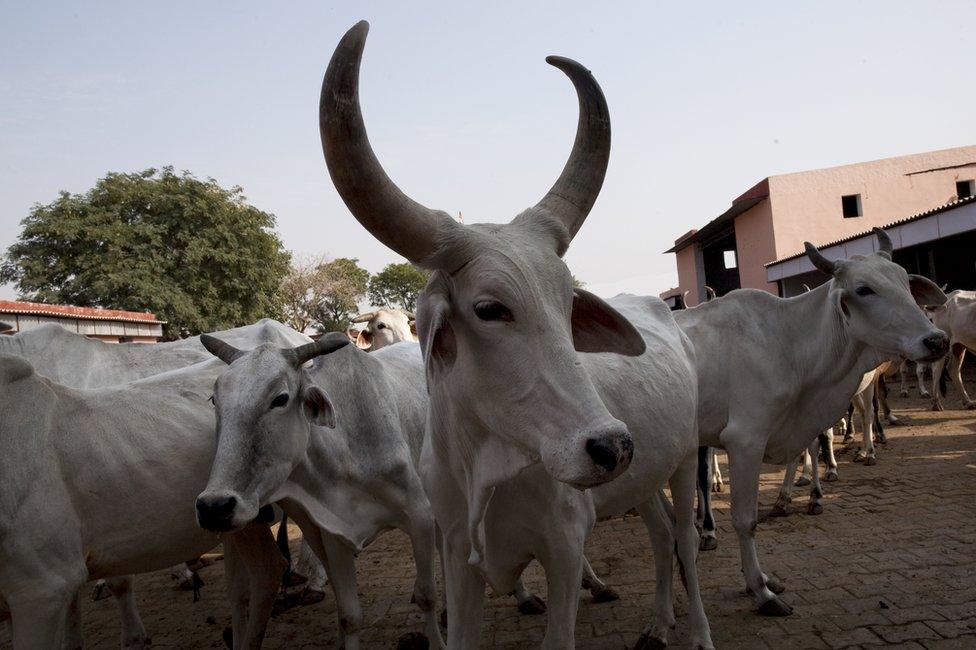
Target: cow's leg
[(903, 378), (660, 529), (598, 589), (814, 507), (72, 625), (421, 531), (804, 478), (340, 563), (865, 405), (44, 620), (920, 376), (826, 440), (257, 555), (716, 470), (563, 563), (785, 496), (134, 635), (849, 424), (937, 394), (708, 541), (465, 595), (683, 492), (528, 603), (309, 567), (745, 465), (883, 400), (238, 592), (956, 357)]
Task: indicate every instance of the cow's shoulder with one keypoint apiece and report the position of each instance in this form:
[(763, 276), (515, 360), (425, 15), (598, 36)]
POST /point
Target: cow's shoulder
[(14, 369)]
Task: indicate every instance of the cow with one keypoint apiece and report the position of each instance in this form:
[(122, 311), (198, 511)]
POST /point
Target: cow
[(152, 443), (385, 327), (797, 361), (538, 391), (76, 361), (957, 318), (336, 447)]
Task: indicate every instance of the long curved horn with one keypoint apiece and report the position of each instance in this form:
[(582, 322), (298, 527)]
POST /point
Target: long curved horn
[(364, 318), (325, 345), (709, 293), (884, 243), (220, 349), (395, 219), (819, 260), (574, 193)]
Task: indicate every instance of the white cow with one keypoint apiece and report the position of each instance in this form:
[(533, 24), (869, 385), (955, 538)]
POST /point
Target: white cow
[(64, 523), (773, 373), (957, 318), (385, 327), (76, 361), (336, 446), (520, 423)]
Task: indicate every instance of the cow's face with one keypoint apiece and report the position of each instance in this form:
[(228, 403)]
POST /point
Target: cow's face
[(265, 405), (501, 337), (499, 322), (879, 301), (384, 327)]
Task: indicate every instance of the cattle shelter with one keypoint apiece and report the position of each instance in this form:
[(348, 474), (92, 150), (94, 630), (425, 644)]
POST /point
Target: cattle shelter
[(109, 325)]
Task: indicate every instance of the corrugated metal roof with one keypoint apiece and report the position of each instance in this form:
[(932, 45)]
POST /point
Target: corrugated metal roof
[(70, 311), (915, 217)]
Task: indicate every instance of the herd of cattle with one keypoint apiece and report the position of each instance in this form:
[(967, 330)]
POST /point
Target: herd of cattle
[(528, 410)]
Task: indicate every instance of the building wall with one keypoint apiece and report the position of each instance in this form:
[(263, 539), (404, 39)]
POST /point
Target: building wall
[(108, 331), (807, 205), (755, 246), (688, 274)]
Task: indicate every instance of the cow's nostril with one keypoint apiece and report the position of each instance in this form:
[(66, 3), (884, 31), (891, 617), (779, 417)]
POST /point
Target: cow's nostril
[(216, 511), (937, 342), (603, 452)]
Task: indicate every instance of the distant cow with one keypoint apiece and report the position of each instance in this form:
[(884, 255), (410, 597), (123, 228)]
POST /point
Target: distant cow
[(385, 327), (957, 318)]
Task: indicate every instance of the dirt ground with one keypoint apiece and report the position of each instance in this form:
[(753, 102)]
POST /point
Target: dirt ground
[(890, 561)]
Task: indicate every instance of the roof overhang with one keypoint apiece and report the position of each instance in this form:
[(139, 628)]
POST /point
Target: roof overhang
[(752, 197)]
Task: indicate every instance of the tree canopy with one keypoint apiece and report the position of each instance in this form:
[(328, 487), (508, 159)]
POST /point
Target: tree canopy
[(339, 285), (196, 254), (397, 285)]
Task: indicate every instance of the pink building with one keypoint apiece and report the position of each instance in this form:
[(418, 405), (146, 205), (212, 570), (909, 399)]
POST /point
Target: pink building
[(769, 223)]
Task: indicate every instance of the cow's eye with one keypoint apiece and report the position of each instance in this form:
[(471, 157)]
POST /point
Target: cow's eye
[(279, 401), (492, 310), (380, 326), (213, 401), (864, 290)]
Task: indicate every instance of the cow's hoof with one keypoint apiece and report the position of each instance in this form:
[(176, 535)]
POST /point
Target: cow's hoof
[(293, 580), (802, 481), (228, 637), (100, 591), (647, 641), (938, 407), (814, 509), (604, 594), (532, 606), (775, 585), (903, 393), (708, 543), (413, 641), (971, 406), (893, 421), (778, 510), (830, 476), (870, 460), (311, 597), (924, 394), (138, 642), (775, 607), (716, 487)]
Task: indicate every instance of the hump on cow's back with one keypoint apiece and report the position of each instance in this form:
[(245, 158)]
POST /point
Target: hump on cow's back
[(14, 369)]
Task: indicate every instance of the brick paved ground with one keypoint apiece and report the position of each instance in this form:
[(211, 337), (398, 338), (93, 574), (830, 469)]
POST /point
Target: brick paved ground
[(891, 560)]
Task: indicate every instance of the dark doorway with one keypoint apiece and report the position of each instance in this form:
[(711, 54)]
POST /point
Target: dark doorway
[(720, 260)]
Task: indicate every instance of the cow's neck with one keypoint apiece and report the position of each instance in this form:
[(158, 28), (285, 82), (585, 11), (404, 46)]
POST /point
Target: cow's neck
[(833, 357)]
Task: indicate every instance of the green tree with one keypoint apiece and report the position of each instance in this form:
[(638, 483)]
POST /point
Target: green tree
[(340, 285), (397, 285), (196, 254), (578, 284)]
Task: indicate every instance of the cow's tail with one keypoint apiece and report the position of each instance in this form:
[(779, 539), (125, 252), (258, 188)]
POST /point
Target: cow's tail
[(943, 379)]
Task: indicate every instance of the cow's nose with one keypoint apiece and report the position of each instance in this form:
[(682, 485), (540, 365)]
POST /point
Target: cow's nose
[(608, 451), (216, 513), (937, 343)]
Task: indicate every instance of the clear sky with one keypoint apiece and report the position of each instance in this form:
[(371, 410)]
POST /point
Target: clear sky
[(706, 99)]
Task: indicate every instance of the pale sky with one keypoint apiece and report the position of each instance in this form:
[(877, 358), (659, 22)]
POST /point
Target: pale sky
[(705, 99)]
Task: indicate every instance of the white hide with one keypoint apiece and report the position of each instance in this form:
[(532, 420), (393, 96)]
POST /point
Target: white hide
[(384, 327), (957, 318)]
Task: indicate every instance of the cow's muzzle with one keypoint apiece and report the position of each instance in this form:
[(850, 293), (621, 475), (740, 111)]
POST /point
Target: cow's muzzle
[(216, 513), (938, 346)]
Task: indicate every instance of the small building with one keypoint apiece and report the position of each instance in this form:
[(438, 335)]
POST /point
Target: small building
[(770, 221), (939, 243), (109, 325)]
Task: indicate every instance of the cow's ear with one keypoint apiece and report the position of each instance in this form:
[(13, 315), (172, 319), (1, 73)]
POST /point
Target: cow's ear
[(926, 292), (598, 327), (318, 407), (437, 341)]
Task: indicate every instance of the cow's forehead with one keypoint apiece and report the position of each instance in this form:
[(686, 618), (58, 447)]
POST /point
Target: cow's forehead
[(256, 369), (510, 254), (867, 268)]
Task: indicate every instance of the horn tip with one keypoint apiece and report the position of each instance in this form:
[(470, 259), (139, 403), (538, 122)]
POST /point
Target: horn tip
[(565, 64)]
